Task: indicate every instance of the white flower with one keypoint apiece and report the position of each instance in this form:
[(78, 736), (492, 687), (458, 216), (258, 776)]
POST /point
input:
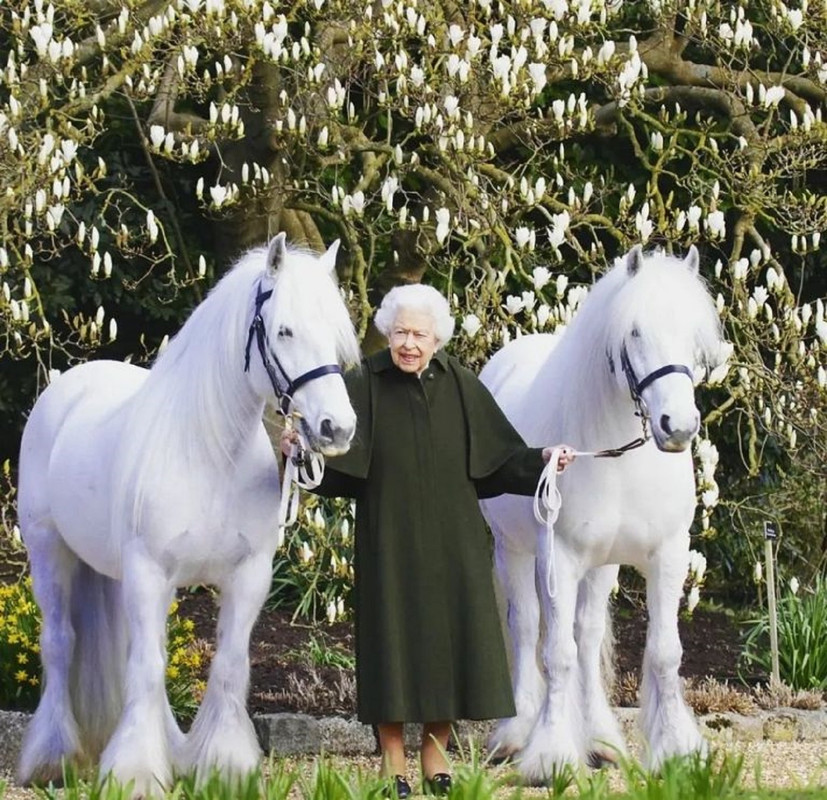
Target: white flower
[(697, 565), (710, 497), (522, 236), (693, 216), (716, 224), (538, 76), (774, 95), (513, 304), (794, 585), (218, 194), (757, 572), (693, 598), (559, 226), (529, 300), (443, 224), (540, 276), (331, 612), (156, 135), (471, 324)]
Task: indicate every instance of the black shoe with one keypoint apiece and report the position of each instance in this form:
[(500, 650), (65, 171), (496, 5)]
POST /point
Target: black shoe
[(398, 787), (439, 785)]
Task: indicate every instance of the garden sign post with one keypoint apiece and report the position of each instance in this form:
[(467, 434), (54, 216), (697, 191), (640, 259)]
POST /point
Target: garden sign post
[(769, 537)]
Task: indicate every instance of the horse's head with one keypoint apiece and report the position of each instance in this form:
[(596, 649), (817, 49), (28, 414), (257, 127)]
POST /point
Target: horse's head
[(300, 336), (669, 331)]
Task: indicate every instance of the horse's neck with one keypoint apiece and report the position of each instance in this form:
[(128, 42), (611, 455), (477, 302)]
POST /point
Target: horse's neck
[(210, 408), (583, 404)]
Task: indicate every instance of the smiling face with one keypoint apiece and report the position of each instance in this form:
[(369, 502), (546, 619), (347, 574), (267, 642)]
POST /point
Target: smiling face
[(412, 340)]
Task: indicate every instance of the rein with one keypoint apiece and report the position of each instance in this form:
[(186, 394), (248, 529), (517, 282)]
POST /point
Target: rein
[(284, 394), (547, 497)]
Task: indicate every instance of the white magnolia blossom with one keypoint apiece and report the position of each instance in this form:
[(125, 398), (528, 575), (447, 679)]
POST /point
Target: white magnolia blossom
[(443, 224), (697, 566), (471, 325), (540, 276), (693, 598), (513, 304), (794, 585)]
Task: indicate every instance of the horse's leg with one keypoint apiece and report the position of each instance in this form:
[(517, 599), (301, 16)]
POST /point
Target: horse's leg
[(222, 735), (557, 737), (668, 724), (139, 750), (515, 574), (52, 735), (601, 730)]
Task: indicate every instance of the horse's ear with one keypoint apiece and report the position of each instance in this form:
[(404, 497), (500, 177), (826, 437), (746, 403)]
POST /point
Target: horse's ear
[(634, 260), (693, 260), (276, 252), (330, 257)]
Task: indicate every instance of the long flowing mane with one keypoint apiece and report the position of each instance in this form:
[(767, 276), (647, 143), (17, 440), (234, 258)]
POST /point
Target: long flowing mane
[(664, 298), (195, 396)]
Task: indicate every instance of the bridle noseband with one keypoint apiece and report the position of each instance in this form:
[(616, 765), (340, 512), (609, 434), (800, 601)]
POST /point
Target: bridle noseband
[(636, 386), (284, 394)]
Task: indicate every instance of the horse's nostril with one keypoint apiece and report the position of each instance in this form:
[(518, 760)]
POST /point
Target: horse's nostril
[(326, 429), (664, 424)]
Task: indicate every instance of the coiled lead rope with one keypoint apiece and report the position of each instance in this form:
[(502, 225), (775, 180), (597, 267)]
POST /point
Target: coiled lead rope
[(548, 500), (303, 469)]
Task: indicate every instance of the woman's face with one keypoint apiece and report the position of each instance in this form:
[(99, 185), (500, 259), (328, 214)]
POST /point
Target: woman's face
[(412, 340)]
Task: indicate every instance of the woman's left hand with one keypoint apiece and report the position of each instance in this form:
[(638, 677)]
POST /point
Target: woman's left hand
[(566, 455)]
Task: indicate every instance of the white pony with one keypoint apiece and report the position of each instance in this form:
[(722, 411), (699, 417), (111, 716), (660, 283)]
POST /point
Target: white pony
[(135, 482), (631, 351)]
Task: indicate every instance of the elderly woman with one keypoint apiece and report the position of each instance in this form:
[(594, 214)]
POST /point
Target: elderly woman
[(430, 442)]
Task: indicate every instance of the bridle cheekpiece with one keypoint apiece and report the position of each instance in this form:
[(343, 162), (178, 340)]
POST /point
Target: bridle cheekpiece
[(286, 388)]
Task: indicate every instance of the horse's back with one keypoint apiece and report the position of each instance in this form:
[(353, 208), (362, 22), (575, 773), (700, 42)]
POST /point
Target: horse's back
[(512, 369), (67, 450)]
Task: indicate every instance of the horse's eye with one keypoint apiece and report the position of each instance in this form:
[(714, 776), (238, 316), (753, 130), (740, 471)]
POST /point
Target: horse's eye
[(285, 332), (635, 333)]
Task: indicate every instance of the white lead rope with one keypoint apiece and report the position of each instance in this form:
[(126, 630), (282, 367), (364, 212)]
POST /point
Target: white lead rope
[(548, 500), (303, 469)]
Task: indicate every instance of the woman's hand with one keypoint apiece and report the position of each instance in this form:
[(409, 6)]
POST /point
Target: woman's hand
[(566, 455), (289, 437)]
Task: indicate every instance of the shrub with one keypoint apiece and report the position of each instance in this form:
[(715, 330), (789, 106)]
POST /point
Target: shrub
[(20, 667), (802, 639), (313, 571)]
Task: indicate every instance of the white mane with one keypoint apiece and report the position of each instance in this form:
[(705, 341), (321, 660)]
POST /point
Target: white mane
[(196, 395), (664, 298)]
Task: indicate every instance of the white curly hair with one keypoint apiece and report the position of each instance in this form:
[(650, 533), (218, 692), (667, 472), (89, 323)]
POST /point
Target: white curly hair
[(416, 297)]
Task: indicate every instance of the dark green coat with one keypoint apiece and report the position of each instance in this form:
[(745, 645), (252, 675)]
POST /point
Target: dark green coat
[(429, 644)]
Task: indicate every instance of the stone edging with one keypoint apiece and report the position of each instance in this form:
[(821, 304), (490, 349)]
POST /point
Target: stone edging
[(295, 734)]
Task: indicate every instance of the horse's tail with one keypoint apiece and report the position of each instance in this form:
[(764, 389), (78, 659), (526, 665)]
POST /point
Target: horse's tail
[(98, 666)]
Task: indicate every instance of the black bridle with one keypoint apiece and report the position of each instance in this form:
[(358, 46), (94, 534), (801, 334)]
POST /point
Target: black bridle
[(636, 388), (284, 394)]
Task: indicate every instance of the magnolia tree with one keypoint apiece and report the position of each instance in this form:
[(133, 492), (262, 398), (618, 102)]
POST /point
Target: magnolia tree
[(506, 152)]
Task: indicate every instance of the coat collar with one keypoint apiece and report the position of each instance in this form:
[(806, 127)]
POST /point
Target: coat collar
[(381, 361)]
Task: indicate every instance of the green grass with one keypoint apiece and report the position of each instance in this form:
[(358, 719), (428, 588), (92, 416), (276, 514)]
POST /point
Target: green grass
[(694, 778)]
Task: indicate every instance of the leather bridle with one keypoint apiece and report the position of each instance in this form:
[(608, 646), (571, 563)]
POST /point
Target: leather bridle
[(285, 388)]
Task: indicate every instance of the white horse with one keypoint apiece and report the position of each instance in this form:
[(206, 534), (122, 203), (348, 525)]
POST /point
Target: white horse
[(631, 351), (135, 482)]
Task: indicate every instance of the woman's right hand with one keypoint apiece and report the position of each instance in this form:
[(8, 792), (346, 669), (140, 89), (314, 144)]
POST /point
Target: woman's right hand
[(288, 438)]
